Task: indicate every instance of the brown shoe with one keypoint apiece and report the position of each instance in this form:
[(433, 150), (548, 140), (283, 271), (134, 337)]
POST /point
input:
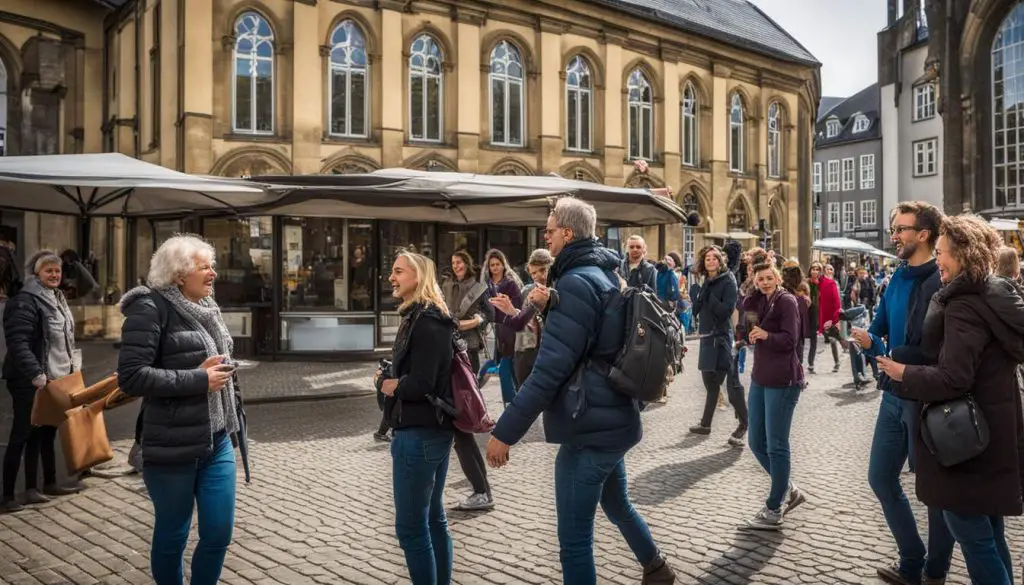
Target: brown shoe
[(892, 574), (659, 574)]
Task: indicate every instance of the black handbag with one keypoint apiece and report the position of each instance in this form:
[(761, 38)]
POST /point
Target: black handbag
[(954, 431)]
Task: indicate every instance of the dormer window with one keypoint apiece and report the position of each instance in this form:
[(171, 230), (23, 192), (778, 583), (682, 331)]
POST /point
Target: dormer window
[(832, 128), (861, 124)]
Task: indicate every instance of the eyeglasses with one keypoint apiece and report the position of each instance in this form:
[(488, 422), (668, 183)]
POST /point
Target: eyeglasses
[(893, 231)]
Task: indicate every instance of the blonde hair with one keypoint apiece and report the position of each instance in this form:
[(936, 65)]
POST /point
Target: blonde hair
[(427, 292)]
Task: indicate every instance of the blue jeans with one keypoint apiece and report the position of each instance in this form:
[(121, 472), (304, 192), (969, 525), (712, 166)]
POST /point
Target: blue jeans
[(770, 413), (889, 451), (983, 542), (419, 468), (506, 375), (175, 490), (583, 478), (741, 359)]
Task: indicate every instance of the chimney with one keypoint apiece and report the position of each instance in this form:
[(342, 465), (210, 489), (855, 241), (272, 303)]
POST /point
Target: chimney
[(893, 12)]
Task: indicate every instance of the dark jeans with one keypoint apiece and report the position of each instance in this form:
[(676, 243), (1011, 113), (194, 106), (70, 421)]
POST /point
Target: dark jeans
[(713, 385), (472, 462), (585, 478), (983, 542), (812, 351), (858, 359), (889, 451), (175, 490), (34, 442), (524, 364), (419, 469), (771, 418)]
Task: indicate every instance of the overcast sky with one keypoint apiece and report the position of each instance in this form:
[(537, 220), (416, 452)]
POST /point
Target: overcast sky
[(843, 38)]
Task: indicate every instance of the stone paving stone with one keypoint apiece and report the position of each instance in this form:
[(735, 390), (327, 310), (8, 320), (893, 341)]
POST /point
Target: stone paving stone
[(319, 509)]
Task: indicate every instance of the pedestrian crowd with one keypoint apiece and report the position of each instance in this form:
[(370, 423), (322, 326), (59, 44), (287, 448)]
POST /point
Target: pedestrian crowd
[(943, 334)]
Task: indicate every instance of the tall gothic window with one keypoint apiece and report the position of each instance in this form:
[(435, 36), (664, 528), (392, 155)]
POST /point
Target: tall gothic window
[(736, 134), (578, 104), (348, 81), (254, 75), (641, 116), (691, 136), (507, 104), (774, 140), (1008, 111), (426, 90)]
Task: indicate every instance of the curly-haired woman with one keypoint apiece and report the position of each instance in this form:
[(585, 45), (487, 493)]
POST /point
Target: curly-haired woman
[(974, 333)]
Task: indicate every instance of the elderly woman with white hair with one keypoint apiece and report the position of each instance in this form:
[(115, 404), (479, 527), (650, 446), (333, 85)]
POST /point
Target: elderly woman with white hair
[(40, 334), (175, 354)]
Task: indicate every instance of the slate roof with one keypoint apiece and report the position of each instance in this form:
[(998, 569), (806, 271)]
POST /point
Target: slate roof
[(737, 22), (827, 103), (866, 102)]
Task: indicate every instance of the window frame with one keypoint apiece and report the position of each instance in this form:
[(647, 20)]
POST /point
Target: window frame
[(508, 82), (926, 109), (849, 182), (849, 207), (817, 224), (834, 217), (691, 151), (833, 170), (775, 150), (868, 209), (867, 171), (424, 73), (919, 147), (833, 128), (349, 72), (816, 178), (737, 127), (645, 135), (255, 58), (580, 91), (1006, 91), (861, 123)]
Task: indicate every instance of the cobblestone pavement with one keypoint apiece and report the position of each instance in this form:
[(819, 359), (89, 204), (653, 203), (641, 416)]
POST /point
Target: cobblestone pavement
[(319, 508)]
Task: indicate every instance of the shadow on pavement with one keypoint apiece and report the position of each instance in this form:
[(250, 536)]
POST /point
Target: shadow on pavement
[(657, 486), (690, 441), (313, 420), (749, 554), (854, 396)]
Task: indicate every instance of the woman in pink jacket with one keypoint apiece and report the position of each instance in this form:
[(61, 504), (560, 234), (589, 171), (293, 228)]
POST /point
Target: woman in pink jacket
[(829, 306)]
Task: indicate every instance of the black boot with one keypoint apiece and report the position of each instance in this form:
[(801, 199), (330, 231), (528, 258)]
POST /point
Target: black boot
[(52, 489), (659, 573)]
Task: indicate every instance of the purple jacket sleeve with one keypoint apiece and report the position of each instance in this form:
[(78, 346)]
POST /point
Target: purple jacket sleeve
[(786, 338), (520, 321)]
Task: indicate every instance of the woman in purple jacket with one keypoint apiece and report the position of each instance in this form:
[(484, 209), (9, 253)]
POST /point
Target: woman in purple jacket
[(774, 329), (501, 279)]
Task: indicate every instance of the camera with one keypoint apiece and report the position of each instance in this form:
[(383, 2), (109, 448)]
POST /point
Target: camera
[(386, 372)]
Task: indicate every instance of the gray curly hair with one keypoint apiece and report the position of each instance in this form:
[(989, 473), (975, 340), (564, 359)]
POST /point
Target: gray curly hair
[(179, 256)]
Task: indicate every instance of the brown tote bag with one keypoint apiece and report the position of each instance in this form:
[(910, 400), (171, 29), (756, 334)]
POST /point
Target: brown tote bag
[(63, 394), (83, 434)]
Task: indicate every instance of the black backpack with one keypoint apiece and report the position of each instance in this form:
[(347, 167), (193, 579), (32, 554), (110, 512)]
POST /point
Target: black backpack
[(651, 343)]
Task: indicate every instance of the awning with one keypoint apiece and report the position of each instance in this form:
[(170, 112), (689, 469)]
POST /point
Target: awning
[(112, 184), (849, 245), (1004, 225), (461, 198), (731, 236)]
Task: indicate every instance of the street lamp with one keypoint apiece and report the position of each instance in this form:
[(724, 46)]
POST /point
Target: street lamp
[(691, 205)]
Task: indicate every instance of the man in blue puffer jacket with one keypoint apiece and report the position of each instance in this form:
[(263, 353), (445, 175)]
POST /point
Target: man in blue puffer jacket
[(594, 424)]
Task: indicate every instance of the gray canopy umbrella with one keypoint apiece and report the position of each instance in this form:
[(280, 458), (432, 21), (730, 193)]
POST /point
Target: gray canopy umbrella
[(112, 184), (460, 198)]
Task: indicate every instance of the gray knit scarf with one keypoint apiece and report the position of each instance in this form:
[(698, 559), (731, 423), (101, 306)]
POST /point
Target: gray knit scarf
[(205, 317)]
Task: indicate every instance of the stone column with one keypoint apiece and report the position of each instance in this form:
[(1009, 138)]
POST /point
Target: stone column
[(614, 140), (469, 70), (721, 183), (671, 153), (551, 83), (307, 111), (197, 80), (391, 72), (125, 113)]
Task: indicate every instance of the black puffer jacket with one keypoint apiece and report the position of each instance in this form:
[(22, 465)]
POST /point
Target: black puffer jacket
[(27, 345), (159, 361), (423, 365)]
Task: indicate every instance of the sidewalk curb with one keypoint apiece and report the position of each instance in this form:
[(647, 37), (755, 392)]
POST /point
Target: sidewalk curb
[(307, 397)]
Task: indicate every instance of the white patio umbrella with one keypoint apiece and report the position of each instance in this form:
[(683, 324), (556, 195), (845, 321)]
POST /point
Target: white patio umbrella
[(112, 184), (847, 244)]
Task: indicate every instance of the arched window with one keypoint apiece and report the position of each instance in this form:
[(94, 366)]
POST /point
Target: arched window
[(348, 81), (1008, 111), (736, 134), (774, 140), (691, 136), (578, 104), (254, 75), (641, 116), (507, 104), (426, 90)]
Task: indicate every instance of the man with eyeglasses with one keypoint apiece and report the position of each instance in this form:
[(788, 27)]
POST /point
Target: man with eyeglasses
[(900, 320)]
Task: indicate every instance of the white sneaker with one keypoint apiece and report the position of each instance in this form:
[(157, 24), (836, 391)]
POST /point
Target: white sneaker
[(766, 520), (476, 502)]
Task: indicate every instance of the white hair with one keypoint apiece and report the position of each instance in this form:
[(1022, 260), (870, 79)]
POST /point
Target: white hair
[(179, 256), (637, 237), (577, 215)]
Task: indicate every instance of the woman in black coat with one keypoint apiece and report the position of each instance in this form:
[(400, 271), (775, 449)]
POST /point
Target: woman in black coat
[(974, 333), (40, 334)]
